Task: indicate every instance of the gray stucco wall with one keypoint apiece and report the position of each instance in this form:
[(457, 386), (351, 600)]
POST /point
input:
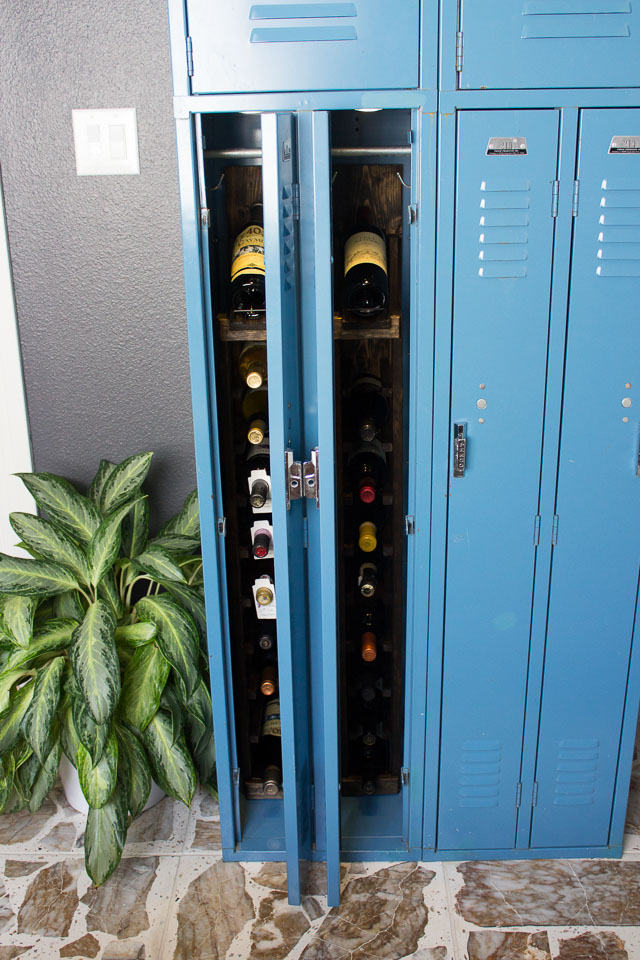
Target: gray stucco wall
[(96, 260)]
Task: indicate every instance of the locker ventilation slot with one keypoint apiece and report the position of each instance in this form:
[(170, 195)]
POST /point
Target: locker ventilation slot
[(576, 772), (618, 251), (575, 19), (303, 11), (480, 767), (503, 224)]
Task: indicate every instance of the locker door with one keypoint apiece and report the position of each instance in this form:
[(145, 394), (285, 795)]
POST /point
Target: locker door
[(279, 171), (502, 268), (254, 47), (550, 43), (595, 561)]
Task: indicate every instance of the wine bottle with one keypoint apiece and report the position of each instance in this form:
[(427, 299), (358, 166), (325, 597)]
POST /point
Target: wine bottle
[(368, 470), (252, 364), (368, 580), (258, 462), (264, 591), (368, 536), (269, 679), (255, 410), (368, 407), (262, 541), (368, 646), (369, 753), (271, 722), (266, 638), (366, 283), (247, 267)]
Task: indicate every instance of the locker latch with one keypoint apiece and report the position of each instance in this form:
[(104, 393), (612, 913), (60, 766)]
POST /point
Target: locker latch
[(303, 477), (459, 449)]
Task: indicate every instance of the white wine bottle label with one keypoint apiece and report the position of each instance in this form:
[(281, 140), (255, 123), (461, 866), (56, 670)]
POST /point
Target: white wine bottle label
[(271, 722), (248, 252), (365, 247)]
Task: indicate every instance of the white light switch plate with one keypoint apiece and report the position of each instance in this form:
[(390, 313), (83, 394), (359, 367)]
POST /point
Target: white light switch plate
[(106, 142)]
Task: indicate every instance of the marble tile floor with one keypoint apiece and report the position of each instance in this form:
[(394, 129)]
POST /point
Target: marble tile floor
[(172, 898)]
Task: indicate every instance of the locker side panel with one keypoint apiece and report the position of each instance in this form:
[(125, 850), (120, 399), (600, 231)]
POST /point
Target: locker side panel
[(595, 563), (253, 47), (503, 249), (550, 43)]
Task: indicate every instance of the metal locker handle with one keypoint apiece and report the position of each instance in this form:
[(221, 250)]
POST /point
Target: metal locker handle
[(459, 449)]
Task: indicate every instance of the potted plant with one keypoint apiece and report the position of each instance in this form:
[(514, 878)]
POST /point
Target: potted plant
[(103, 654)]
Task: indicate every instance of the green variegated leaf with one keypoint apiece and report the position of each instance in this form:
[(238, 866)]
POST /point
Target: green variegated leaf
[(42, 709), (68, 735), (171, 764), (11, 719), (177, 636), (7, 680), (176, 543), (98, 782), (45, 778), (108, 591), (34, 578), (44, 613), (159, 564), (94, 493), (139, 772), (105, 834), (95, 661), (142, 685), (91, 735), (105, 543), (6, 781), (170, 703), (199, 704), (135, 529), (69, 606), (187, 522), (15, 801), (136, 634), (56, 636), (62, 502), (193, 603), (17, 615), (204, 757), (124, 481), (51, 542)]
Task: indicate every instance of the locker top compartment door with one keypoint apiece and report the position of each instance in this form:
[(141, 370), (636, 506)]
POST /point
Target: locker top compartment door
[(550, 43), (249, 47), (279, 179)]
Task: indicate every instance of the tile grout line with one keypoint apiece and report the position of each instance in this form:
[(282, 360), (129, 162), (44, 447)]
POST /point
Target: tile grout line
[(172, 905), (458, 952)]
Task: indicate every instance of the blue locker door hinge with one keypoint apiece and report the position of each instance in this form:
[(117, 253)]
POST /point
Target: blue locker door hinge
[(295, 200), (536, 530), (518, 795), (555, 192), (189, 57), (221, 526), (534, 795), (404, 776), (554, 529), (459, 52), (575, 199), (413, 213), (409, 525)]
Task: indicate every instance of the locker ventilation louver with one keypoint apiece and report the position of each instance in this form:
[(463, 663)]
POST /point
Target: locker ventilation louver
[(576, 772), (504, 219), (307, 32), (575, 19), (480, 767), (618, 252)]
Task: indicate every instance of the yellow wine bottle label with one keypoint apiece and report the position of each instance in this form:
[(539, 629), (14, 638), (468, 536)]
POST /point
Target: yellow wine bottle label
[(271, 722), (365, 247), (248, 252), (367, 536)]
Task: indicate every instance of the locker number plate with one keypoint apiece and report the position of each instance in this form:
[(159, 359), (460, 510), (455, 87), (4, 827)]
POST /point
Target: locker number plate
[(507, 147), (625, 145)]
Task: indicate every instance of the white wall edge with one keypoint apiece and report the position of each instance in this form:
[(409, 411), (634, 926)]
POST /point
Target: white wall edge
[(15, 448)]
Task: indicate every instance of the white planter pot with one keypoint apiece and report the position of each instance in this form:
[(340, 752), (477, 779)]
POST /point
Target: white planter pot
[(75, 796)]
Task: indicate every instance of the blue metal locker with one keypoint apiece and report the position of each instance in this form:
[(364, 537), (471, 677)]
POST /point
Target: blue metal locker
[(244, 47), (596, 551), (506, 168), (548, 43)]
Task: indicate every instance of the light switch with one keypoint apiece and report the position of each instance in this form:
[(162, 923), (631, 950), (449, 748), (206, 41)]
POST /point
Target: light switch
[(106, 142)]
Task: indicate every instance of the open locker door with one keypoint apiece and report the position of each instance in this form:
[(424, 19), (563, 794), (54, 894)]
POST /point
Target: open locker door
[(280, 198)]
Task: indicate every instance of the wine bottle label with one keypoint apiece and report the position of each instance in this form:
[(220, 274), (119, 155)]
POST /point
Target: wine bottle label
[(248, 252), (271, 722), (365, 247)]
